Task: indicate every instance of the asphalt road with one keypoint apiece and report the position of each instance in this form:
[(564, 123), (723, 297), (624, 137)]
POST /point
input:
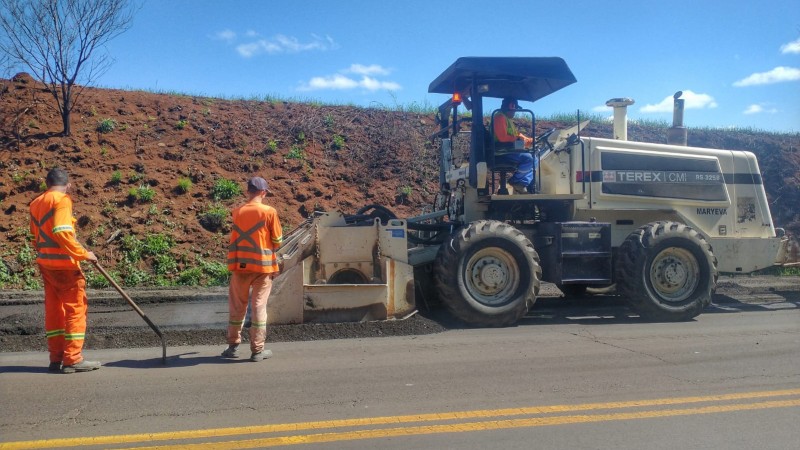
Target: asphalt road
[(566, 377)]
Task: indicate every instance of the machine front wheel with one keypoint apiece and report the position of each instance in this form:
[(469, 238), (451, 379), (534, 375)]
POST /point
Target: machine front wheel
[(666, 271), (487, 274)]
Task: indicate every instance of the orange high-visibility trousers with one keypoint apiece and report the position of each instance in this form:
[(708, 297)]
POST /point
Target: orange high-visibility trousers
[(65, 309), (238, 297)]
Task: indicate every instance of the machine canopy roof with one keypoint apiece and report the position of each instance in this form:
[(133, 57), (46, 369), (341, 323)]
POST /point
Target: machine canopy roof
[(522, 78)]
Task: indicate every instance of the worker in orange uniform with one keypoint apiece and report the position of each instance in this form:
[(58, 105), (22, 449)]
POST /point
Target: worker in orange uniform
[(506, 132), (58, 255), (255, 236)]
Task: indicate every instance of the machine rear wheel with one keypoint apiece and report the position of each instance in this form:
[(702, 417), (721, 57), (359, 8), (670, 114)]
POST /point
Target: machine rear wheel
[(667, 271), (487, 274)]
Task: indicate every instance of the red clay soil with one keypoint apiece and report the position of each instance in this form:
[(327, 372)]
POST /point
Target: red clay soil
[(314, 157)]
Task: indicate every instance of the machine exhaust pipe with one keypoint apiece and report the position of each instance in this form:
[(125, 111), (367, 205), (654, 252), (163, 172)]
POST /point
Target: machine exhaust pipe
[(620, 106), (677, 135)]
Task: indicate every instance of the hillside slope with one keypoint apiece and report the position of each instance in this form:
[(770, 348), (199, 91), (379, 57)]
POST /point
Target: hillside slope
[(315, 158)]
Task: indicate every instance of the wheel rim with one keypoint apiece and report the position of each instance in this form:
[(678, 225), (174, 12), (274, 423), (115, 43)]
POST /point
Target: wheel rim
[(675, 274), (492, 276)]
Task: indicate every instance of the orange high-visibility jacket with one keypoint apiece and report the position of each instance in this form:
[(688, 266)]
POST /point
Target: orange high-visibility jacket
[(53, 229), (255, 235), (504, 129)]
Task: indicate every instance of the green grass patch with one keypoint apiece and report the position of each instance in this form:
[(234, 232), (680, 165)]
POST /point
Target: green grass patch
[(215, 218), (157, 244), (134, 177), (225, 189), (106, 125), (184, 185), (132, 248), (143, 193), (164, 264), (272, 147), (338, 142), (296, 153)]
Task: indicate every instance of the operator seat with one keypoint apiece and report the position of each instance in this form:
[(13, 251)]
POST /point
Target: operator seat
[(502, 169)]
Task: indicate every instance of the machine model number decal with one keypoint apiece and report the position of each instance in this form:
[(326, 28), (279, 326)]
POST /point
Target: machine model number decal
[(654, 176), (712, 211)]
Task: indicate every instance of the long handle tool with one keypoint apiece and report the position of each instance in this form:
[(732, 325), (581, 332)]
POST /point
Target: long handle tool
[(138, 310)]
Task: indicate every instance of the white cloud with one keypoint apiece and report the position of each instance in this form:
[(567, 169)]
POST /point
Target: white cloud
[(758, 109), (330, 82), (341, 81), (261, 46), (791, 47), (601, 109), (691, 101), (283, 44), (776, 75), (372, 84), (225, 35), (373, 69)]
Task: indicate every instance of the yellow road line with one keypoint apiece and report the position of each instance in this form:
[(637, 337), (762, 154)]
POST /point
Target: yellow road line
[(473, 426), (368, 421)]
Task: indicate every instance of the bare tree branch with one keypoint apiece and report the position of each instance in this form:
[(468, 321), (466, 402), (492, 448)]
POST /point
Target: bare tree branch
[(62, 42)]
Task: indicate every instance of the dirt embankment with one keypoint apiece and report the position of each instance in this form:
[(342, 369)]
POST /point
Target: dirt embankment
[(145, 164)]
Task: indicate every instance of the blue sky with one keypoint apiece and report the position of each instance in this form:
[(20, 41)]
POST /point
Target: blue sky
[(737, 62)]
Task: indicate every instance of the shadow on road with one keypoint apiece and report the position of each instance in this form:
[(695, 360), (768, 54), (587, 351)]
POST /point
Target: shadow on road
[(180, 360), (612, 309)]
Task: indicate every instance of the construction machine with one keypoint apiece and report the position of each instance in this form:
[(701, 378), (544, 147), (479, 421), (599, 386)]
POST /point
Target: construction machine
[(659, 222)]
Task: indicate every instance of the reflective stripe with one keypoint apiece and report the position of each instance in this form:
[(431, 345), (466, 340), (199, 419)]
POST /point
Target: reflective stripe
[(63, 228), (54, 333), (235, 322), (74, 336), (258, 324), (277, 240), (52, 256), (257, 262), (236, 248)]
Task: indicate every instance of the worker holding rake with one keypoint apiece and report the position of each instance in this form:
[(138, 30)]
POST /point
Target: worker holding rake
[(255, 236), (58, 255)]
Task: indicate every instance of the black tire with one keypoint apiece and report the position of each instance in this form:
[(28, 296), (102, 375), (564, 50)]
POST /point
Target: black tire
[(487, 274), (666, 271)]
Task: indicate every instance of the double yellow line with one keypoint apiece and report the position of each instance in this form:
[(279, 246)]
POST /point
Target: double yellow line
[(426, 424)]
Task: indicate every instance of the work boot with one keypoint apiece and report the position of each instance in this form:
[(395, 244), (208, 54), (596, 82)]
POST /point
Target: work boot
[(54, 367), (519, 189), (231, 352), (83, 366), (260, 356)]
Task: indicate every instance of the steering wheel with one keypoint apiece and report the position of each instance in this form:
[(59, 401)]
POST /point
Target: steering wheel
[(543, 138)]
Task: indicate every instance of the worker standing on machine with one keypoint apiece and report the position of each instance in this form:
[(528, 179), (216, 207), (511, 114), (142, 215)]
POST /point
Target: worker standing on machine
[(255, 236), (506, 132), (58, 255)]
